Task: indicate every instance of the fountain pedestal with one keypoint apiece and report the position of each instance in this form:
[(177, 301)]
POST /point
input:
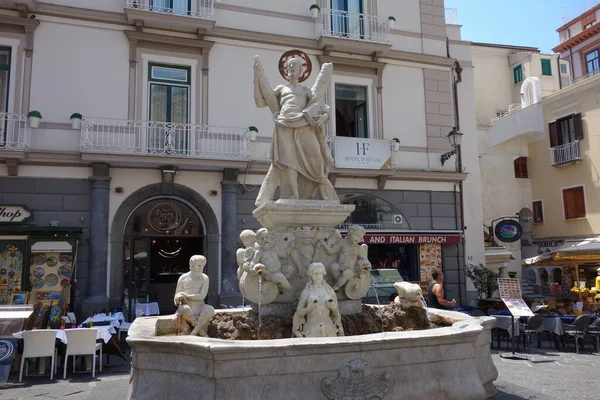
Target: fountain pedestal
[(302, 213)]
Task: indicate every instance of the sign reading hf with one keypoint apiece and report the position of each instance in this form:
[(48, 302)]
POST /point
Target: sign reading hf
[(362, 153)]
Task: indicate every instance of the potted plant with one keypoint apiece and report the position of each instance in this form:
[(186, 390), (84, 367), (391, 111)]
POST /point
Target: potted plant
[(76, 120), (314, 9), (34, 118), (484, 279), (391, 21), (395, 144), (253, 132)]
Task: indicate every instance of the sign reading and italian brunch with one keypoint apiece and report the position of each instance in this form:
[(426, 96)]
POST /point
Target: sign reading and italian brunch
[(508, 231), (390, 238), (14, 214), (362, 153)]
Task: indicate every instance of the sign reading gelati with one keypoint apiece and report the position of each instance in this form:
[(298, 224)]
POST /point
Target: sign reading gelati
[(398, 238), (14, 214), (362, 153), (508, 231)]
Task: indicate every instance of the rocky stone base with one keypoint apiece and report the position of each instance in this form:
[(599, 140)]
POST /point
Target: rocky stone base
[(287, 310)]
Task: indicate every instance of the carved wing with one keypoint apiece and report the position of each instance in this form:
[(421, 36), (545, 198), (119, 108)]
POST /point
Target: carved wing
[(322, 82), (363, 252), (263, 92)]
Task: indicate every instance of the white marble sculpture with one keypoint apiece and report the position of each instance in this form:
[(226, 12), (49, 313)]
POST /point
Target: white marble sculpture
[(301, 159), (317, 314), (409, 294), (245, 255), (352, 262), (193, 316)]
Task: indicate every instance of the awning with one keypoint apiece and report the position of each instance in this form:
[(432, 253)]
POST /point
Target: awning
[(573, 252)]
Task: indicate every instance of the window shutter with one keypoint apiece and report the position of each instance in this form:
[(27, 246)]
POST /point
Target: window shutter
[(578, 127), (553, 129)]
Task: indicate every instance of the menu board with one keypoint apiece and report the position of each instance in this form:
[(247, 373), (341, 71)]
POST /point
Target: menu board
[(430, 259), (510, 292), (48, 274)]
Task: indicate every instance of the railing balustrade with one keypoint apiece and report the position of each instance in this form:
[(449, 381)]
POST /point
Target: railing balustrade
[(203, 9), (565, 153), (513, 108), (15, 133), (153, 138), (349, 25)]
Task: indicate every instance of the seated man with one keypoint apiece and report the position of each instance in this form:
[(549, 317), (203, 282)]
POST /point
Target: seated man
[(435, 291)]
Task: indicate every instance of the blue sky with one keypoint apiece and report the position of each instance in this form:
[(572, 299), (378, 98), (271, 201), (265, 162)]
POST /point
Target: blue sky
[(516, 22)]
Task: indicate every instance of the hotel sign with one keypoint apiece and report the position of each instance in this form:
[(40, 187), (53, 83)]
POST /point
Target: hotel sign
[(392, 238), (14, 214), (362, 153)]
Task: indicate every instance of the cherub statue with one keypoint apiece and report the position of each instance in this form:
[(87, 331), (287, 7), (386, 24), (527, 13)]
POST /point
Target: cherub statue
[(193, 316), (317, 314), (350, 251), (266, 261), (304, 249), (300, 151), (245, 255)]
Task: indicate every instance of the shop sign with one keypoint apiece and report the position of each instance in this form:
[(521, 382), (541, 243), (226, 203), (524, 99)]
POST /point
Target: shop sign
[(508, 231), (362, 153), (7, 351), (14, 214), (411, 239)]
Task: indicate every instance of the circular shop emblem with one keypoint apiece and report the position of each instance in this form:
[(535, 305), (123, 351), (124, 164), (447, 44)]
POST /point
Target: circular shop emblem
[(306, 64), (508, 231), (164, 217), (6, 349)]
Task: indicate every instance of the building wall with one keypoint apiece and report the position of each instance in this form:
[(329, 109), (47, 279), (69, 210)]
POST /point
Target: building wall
[(547, 181)]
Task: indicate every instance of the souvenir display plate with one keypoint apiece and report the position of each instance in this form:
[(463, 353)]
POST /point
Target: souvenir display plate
[(37, 283), (39, 259), (51, 279), (64, 282), (65, 258), (38, 272), (51, 261), (64, 272)]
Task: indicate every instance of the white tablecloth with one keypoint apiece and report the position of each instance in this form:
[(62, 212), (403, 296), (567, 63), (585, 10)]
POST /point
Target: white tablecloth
[(145, 309), (104, 334), (115, 320), (505, 322), (554, 325)]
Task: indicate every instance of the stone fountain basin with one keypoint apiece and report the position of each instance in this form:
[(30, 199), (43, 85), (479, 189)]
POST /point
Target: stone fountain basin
[(452, 362)]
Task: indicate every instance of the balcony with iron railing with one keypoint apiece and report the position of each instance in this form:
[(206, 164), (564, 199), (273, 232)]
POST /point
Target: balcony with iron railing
[(181, 15), (356, 32), (164, 139), (15, 135), (565, 154)]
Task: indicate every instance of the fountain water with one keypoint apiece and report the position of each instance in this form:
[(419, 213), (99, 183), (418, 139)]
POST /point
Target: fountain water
[(282, 269)]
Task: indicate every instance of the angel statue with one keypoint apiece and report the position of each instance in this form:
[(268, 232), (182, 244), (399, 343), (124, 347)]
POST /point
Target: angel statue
[(300, 157)]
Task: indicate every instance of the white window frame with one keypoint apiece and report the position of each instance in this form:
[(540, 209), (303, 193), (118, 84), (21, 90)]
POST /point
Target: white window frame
[(15, 56), (354, 81), (543, 211), (562, 201)]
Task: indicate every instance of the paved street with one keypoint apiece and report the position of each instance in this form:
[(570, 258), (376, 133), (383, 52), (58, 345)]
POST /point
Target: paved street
[(547, 376)]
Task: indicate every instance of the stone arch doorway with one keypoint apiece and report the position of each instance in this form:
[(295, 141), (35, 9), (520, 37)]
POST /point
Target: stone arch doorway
[(152, 221)]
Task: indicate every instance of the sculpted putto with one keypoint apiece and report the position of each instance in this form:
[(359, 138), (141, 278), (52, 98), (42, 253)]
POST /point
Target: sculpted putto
[(193, 316), (266, 261), (301, 160), (317, 314)]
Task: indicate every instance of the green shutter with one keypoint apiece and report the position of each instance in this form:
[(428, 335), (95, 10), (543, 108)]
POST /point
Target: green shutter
[(546, 67), (517, 74)]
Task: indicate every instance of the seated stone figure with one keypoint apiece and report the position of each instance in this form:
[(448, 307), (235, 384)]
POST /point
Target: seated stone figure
[(350, 251), (244, 256), (193, 316), (266, 261)]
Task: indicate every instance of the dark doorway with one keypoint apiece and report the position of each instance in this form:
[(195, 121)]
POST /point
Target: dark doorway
[(404, 258)]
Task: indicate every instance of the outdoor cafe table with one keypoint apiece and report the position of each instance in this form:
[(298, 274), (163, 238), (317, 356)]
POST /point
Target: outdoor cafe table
[(114, 319)]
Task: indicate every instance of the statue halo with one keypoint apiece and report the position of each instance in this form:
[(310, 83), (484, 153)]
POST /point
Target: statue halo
[(306, 64)]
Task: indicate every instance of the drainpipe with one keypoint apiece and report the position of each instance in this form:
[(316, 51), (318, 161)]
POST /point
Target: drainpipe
[(457, 78), (558, 72), (571, 65)]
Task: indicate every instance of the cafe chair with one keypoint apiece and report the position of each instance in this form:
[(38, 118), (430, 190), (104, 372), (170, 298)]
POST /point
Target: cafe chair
[(82, 342), (594, 330), (38, 343), (578, 330), (531, 328)]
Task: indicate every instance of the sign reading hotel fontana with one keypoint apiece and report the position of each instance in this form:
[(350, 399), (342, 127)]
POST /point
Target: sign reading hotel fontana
[(390, 238)]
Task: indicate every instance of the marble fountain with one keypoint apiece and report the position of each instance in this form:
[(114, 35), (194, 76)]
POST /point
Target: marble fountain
[(298, 270)]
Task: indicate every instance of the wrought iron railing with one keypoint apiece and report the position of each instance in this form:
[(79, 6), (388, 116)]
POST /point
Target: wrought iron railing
[(513, 108), (153, 138), (15, 133), (195, 9), (587, 75), (565, 153), (356, 26)]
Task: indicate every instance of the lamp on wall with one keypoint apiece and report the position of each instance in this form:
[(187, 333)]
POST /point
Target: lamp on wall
[(454, 137)]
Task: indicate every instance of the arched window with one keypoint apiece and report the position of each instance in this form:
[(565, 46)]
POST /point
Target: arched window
[(164, 216)]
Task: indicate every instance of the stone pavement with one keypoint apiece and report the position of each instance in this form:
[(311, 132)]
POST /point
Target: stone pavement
[(549, 375)]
